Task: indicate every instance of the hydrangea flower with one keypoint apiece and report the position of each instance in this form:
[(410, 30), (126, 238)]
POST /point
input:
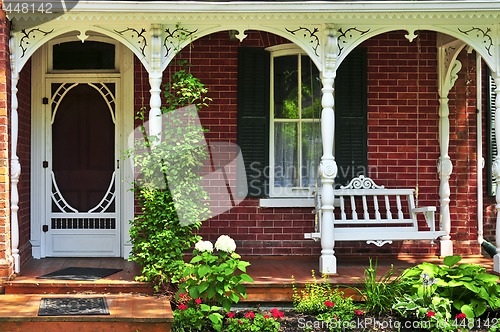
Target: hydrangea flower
[(202, 246), (225, 243)]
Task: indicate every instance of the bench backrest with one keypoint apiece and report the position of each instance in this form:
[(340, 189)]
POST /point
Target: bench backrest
[(363, 203)]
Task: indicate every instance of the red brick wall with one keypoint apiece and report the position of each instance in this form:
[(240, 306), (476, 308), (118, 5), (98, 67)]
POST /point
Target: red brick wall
[(394, 131), (6, 265)]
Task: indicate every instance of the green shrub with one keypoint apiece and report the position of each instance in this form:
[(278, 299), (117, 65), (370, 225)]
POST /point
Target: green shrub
[(215, 277), (470, 289), (168, 189)]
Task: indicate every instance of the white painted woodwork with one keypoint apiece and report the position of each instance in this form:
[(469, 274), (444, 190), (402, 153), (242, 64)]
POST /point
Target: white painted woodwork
[(142, 29), (155, 77), (328, 166), (448, 69), (92, 242), (359, 218), (15, 166)]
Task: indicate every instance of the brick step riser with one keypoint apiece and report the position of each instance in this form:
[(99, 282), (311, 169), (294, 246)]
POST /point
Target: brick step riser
[(60, 326), (70, 289)]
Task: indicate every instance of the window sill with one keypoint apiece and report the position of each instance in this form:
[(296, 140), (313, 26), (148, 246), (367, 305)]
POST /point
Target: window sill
[(286, 202)]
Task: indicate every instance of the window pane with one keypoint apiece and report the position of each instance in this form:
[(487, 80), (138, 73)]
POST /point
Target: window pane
[(285, 87), (311, 89), (311, 152), (285, 155), (88, 55)]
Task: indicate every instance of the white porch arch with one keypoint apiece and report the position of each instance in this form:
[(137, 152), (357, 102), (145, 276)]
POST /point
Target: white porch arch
[(327, 32)]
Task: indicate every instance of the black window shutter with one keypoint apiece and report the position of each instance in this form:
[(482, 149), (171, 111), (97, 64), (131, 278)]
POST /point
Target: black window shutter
[(253, 118), (351, 149), (492, 144)]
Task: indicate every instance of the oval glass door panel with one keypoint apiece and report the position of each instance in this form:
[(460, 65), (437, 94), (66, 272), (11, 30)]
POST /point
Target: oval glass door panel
[(83, 146)]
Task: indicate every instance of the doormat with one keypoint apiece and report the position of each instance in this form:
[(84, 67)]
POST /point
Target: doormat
[(73, 306), (80, 273)]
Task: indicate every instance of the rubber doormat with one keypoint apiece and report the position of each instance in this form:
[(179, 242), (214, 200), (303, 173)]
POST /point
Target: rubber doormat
[(73, 306), (80, 273)]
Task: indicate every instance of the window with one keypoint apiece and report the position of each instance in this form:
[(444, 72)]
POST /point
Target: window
[(75, 55), (279, 129), (295, 149)]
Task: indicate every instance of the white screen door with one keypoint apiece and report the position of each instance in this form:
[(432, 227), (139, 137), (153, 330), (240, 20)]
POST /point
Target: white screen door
[(82, 178)]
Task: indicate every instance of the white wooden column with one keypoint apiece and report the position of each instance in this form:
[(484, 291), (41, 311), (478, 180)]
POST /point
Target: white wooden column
[(448, 74), (496, 173), (328, 166), (15, 166), (155, 78)]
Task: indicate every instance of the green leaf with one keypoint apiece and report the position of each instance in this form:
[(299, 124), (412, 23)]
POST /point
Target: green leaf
[(467, 310), (452, 260), (246, 278), (486, 277), (195, 259), (203, 270)]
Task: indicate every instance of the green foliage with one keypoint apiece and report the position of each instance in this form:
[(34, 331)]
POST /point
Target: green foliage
[(330, 305), (216, 277), (197, 318), (467, 286), (311, 299), (170, 214), (380, 293), (433, 313), (256, 322)]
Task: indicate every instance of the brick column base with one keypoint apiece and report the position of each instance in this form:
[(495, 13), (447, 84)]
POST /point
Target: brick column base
[(6, 268)]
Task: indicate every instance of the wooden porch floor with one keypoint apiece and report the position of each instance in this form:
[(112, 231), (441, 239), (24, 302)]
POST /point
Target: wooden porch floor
[(272, 275)]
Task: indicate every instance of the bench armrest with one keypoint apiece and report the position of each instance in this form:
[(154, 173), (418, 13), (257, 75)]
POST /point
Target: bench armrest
[(428, 212)]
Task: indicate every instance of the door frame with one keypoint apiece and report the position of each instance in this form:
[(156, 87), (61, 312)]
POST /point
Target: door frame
[(41, 76)]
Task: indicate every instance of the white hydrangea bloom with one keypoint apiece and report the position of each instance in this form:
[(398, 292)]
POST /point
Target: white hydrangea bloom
[(202, 246), (225, 243)]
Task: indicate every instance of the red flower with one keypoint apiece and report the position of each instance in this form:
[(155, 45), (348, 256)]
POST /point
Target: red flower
[(266, 316), (182, 295), (431, 314), (276, 313), (231, 314), (250, 314), (358, 312), (182, 306), (197, 301), (329, 304), (239, 321), (461, 316)]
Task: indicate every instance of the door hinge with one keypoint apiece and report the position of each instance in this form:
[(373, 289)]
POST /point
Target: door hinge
[(45, 164), (117, 164), (45, 100), (45, 228)]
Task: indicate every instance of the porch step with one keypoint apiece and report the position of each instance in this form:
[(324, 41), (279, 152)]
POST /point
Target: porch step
[(128, 312), (43, 286)]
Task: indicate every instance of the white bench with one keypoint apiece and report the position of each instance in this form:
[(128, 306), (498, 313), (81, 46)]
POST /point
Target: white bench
[(368, 212)]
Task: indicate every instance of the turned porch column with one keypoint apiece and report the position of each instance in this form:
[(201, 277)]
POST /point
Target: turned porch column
[(155, 77), (496, 174), (328, 166), (15, 166), (448, 74)]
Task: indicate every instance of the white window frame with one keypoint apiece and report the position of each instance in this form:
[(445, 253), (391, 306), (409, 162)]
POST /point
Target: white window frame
[(294, 192)]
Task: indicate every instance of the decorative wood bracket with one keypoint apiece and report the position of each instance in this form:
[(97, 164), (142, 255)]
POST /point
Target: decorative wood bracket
[(176, 38), (309, 36), (136, 37)]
